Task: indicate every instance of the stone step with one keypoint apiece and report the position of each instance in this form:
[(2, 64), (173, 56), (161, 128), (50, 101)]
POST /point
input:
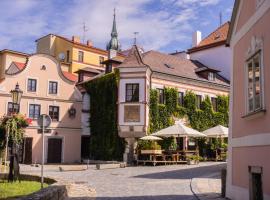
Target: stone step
[(110, 166)]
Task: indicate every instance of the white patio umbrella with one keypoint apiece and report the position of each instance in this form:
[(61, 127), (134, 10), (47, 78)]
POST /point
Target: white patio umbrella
[(178, 130), (150, 137), (217, 131)]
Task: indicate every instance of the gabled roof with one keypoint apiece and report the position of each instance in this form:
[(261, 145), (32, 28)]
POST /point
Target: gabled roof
[(173, 65), (216, 38), (134, 59), (170, 65)]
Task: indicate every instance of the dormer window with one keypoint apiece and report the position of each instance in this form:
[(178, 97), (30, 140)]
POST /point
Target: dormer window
[(211, 76), (169, 66)]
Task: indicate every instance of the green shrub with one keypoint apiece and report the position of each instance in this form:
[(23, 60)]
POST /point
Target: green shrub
[(148, 145), (169, 143), (195, 157)]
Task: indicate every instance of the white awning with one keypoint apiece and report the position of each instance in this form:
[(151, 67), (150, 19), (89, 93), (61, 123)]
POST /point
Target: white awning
[(217, 131), (178, 130)]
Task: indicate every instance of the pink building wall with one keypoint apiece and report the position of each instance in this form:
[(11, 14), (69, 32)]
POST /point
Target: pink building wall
[(249, 133)]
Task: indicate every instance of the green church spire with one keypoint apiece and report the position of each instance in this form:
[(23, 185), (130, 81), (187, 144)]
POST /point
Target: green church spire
[(114, 43)]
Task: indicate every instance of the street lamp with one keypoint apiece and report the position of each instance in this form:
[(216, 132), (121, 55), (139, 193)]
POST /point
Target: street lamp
[(16, 95)]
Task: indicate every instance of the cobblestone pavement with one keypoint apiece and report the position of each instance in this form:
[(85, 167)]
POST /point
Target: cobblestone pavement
[(207, 188), (171, 182)]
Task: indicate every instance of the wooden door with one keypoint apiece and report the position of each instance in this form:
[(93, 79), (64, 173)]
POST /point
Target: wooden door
[(85, 147), (54, 150), (27, 151)]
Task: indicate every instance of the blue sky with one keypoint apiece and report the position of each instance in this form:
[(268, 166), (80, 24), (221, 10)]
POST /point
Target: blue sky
[(165, 25)]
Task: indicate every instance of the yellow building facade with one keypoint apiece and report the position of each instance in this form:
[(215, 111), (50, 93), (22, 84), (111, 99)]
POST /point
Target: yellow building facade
[(73, 54)]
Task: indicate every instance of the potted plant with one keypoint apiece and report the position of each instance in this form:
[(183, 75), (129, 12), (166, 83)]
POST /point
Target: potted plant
[(149, 147), (193, 159)]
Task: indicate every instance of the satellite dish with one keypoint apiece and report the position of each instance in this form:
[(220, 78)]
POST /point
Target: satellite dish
[(61, 56)]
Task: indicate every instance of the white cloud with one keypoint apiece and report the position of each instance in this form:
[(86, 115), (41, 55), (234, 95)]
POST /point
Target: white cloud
[(160, 23)]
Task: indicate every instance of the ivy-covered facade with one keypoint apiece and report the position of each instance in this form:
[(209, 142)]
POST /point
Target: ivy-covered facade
[(140, 98)]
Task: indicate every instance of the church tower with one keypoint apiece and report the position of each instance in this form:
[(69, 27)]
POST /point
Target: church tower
[(113, 46)]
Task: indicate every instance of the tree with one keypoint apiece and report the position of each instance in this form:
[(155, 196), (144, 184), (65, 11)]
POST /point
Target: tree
[(13, 127)]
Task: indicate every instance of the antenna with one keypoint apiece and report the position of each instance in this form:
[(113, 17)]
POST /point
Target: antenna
[(84, 31), (220, 18), (135, 37)]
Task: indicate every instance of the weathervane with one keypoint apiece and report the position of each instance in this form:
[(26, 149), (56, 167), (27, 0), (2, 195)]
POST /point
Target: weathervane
[(84, 31), (220, 18), (135, 37)]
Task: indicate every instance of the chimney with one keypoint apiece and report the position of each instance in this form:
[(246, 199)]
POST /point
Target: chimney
[(89, 43), (76, 39), (196, 38)]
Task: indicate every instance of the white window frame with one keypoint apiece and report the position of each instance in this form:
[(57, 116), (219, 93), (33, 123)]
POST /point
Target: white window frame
[(37, 85), (258, 54), (48, 88)]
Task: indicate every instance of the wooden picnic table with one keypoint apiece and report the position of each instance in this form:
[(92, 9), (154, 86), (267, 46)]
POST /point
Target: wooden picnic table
[(168, 157)]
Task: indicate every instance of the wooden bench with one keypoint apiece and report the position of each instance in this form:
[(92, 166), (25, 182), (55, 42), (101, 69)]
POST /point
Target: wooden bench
[(154, 162)]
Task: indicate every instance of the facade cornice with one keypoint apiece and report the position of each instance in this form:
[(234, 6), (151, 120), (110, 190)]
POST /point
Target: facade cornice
[(189, 81), (42, 98)]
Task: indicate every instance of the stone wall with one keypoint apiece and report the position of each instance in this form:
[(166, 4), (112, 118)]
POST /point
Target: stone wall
[(54, 191)]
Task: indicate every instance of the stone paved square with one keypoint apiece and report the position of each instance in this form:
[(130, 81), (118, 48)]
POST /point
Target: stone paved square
[(171, 182)]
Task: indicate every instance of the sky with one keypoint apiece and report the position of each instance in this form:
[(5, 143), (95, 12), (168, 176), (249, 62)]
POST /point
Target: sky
[(164, 25)]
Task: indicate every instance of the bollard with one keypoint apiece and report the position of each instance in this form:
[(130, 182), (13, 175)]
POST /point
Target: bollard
[(223, 182)]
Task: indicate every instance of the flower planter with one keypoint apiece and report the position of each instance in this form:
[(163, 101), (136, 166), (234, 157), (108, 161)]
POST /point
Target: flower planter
[(151, 151), (192, 162)]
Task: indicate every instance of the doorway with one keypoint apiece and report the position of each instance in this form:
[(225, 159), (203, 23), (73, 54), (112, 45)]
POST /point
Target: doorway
[(25, 151), (54, 150), (85, 147)]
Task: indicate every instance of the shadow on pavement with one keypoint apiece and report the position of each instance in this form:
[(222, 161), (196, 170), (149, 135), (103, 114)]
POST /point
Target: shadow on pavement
[(159, 197), (185, 173)]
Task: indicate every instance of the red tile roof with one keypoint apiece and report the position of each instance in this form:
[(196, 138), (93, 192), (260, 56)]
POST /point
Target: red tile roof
[(20, 65), (70, 76), (216, 38)]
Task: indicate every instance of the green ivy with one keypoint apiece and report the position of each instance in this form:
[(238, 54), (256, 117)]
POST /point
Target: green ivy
[(105, 143), (161, 115)]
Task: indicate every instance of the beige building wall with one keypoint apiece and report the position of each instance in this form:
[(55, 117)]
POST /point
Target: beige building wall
[(45, 68)]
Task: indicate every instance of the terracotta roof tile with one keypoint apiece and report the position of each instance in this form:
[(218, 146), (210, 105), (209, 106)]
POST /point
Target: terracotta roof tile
[(70, 76), (217, 37), (20, 65)]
